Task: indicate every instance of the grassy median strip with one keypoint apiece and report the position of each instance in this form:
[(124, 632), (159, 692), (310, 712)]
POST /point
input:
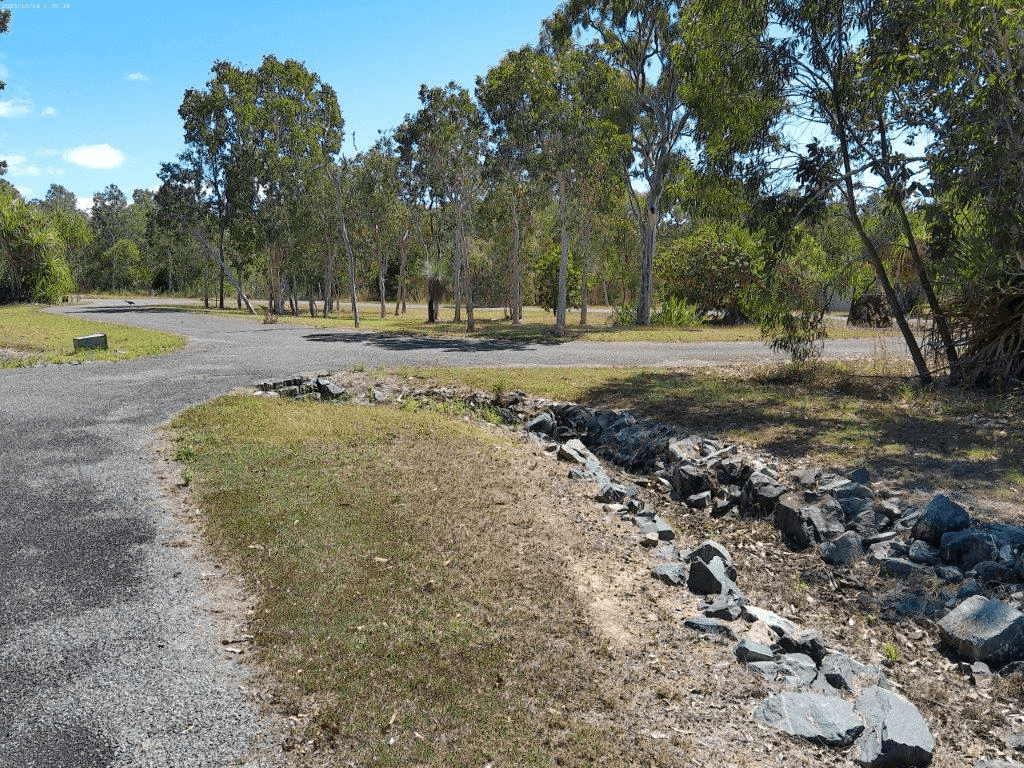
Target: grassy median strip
[(29, 336), (391, 607)]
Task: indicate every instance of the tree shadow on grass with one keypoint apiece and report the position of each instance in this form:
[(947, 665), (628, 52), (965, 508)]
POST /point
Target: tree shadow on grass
[(922, 440)]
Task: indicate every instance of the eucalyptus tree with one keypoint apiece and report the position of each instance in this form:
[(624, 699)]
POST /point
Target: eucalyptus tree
[(825, 43), (288, 129), (211, 122), (692, 74), (444, 144), (547, 105), (181, 209), (377, 197)]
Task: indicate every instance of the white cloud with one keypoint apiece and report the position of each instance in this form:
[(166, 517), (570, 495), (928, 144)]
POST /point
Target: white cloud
[(95, 156), (49, 112), (137, 76), (26, 192), (14, 108), (16, 166), (84, 203)]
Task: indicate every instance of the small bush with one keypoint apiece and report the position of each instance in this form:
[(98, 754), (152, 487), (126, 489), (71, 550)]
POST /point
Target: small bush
[(677, 313)]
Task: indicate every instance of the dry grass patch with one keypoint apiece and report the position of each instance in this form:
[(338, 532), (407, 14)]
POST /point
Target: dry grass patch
[(410, 604)]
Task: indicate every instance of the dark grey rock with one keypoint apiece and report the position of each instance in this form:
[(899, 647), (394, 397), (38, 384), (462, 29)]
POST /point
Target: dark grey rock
[(807, 478), (895, 734), (806, 642), (842, 550), (709, 578), (616, 493), (924, 553), (985, 630), (989, 572), (689, 480), (699, 500), (847, 490), (864, 521), (793, 670), (748, 651), (847, 674), (773, 621), (987, 763), (940, 517), (759, 495), (710, 627), (900, 567), (812, 716), (949, 574), (861, 476), (724, 607), (900, 604), (656, 525), (672, 574), (968, 547), (1013, 668), (969, 588), (806, 518), (709, 549), (879, 538)]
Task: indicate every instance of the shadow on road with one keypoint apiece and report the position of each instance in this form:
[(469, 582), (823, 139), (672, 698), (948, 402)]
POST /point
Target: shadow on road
[(122, 310), (400, 343)]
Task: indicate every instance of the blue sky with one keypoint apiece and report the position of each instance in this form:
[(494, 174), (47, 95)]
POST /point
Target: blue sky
[(93, 86)]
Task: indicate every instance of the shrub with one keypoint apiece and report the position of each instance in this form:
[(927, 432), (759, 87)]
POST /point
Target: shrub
[(710, 268)]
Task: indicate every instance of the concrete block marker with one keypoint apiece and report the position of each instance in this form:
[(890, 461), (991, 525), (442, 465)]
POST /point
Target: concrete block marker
[(93, 341)]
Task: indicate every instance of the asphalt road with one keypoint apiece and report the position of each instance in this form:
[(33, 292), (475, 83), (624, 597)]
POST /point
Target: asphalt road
[(110, 647)]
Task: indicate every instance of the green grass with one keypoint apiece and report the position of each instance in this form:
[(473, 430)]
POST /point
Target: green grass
[(389, 604), (537, 325), (840, 415), (29, 336)]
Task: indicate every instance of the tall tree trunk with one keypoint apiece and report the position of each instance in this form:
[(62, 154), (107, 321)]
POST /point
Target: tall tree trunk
[(206, 279), (348, 247), (381, 257), (517, 269), (585, 233), (329, 277), (467, 278), (208, 254), (873, 256), (563, 263), (938, 314), (403, 257), (457, 277)]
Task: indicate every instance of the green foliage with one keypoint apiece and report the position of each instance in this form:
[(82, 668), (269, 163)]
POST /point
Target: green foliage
[(46, 280), (710, 268), (546, 268), (127, 270), (677, 313), (794, 285), (32, 252)]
